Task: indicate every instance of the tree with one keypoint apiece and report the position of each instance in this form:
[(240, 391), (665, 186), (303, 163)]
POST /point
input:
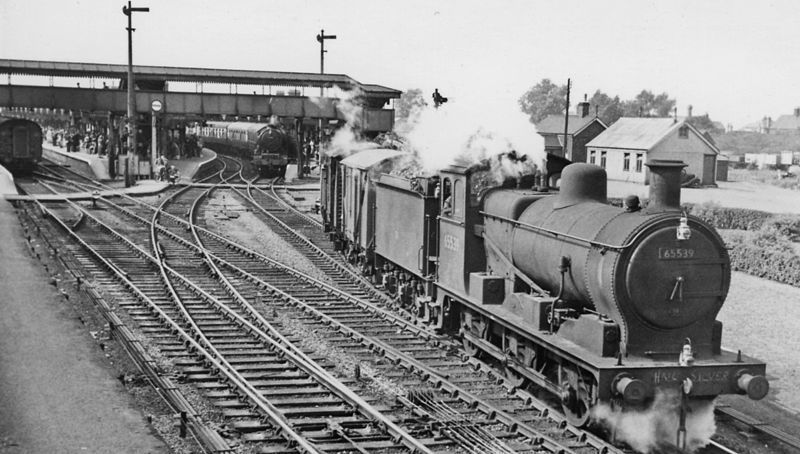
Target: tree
[(608, 109), (410, 102), (543, 99), (646, 104), (704, 123)]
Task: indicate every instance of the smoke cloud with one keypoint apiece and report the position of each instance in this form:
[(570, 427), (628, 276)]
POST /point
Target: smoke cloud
[(472, 130), (465, 130), (648, 430), (346, 141)]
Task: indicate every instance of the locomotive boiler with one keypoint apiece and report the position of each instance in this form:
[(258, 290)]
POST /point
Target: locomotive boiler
[(595, 303)]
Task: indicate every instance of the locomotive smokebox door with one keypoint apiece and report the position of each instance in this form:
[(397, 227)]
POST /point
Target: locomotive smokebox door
[(673, 283)]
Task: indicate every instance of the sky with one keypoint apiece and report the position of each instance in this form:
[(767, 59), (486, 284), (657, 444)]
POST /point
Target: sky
[(735, 60)]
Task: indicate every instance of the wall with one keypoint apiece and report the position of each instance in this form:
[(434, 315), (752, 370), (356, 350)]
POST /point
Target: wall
[(690, 150), (579, 152), (615, 160)]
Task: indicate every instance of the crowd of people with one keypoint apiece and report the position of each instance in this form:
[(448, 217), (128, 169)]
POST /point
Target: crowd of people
[(96, 142), (92, 142)]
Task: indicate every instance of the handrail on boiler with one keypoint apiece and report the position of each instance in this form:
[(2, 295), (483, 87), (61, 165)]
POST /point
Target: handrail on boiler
[(538, 229)]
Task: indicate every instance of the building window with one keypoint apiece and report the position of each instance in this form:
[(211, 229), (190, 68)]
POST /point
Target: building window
[(603, 159), (626, 162), (683, 132), (639, 162), (591, 157)]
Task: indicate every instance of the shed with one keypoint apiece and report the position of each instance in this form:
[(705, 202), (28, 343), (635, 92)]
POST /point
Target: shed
[(722, 167), (623, 148)]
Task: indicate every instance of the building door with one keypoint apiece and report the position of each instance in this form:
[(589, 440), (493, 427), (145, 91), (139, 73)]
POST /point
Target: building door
[(709, 166)]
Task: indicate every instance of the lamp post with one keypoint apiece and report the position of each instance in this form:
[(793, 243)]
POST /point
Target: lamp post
[(128, 11), (321, 38), (155, 108)]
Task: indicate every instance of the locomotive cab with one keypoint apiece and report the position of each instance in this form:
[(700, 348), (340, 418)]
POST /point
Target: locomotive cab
[(454, 241)]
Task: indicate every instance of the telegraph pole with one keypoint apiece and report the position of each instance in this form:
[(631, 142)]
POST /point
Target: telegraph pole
[(566, 122), (128, 11), (321, 38)]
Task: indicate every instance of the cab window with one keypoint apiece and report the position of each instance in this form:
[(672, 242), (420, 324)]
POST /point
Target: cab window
[(447, 202), (458, 197)]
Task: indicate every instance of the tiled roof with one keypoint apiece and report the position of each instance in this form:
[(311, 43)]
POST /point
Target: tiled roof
[(380, 89), (554, 124), (786, 122), (552, 141), (635, 133)]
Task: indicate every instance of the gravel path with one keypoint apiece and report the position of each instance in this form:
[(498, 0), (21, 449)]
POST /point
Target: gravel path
[(57, 391), (738, 194), (760, 317), (248, 229)]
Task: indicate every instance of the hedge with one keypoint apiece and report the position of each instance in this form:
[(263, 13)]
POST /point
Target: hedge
[(765, 253), (730, 218)]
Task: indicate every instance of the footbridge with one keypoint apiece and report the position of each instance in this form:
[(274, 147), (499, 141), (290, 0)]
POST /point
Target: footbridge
[(193, 93)]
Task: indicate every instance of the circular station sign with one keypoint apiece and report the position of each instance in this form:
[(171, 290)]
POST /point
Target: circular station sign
[(156, 105)]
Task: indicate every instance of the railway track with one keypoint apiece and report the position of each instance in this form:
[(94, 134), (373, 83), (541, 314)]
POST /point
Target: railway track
[(214, 352), (446, 362), (445, 401), (302, 226), (486, 428)]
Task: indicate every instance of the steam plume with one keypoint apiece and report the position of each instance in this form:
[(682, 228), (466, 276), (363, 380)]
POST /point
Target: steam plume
[(471, 131), (657, 426), (346, 141), (467, 131)]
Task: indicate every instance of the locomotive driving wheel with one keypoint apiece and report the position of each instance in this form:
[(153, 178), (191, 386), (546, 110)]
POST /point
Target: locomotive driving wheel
[(576, 397), (470, 349), (476, 327), (513, 377)]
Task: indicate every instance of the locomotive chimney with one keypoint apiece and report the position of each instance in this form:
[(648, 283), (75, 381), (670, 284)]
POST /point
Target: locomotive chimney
[(665, 184)]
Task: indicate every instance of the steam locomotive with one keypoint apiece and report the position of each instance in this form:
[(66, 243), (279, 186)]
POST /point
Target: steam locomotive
[(592, 302), (20, 144), (267, 146)]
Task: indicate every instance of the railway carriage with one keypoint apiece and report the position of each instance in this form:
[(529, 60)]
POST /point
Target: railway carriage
[(269, 149), (20, 144), (594, 303)]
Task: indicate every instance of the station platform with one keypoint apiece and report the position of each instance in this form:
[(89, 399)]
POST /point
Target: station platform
[(188, 168), (96, 167), (58, 392), (89, 165)]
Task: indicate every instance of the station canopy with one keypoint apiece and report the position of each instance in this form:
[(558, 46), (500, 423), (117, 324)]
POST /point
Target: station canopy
[(178, 74)]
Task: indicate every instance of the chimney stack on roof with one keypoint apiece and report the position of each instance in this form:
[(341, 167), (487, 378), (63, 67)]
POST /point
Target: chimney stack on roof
[(583, 107), (797, 111), (689, 111)]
